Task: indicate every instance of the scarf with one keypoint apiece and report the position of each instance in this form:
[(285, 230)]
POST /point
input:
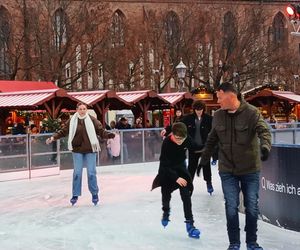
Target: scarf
[(90, 128)]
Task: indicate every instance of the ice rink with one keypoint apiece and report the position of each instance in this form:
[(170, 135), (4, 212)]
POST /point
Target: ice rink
[(36, 214)]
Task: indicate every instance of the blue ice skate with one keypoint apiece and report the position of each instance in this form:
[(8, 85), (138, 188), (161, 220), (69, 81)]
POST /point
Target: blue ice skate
[(209, 187), (234, 247), (192, 231), (95, 199), (254, 246), (165, 219), (74, 199)]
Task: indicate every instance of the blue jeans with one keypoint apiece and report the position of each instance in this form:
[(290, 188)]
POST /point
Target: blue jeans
[(232, 185), (89, 159)]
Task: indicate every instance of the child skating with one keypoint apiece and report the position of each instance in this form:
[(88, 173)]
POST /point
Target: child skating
[(173, 174)]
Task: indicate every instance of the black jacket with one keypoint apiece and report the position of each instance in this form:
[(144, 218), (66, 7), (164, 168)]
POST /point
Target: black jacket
[(172, 165), (205, 127)]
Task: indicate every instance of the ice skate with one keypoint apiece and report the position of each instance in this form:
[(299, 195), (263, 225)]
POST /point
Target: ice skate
[(165, 219), (234, 247), (95, 199), (192, 231), (254, 246), (209, 187), (73, 200)]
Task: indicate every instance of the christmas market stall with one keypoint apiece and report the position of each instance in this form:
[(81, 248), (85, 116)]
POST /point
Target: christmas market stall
[(143, 101), (101, 101), (208, 96), (176, 101), (15, 106), (275, 103)]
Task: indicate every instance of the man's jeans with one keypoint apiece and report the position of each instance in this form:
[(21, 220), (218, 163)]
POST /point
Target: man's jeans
[(231, 185), (89, 160)]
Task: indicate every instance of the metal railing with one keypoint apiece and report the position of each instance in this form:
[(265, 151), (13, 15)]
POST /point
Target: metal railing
[(27, 156), (285, 133)]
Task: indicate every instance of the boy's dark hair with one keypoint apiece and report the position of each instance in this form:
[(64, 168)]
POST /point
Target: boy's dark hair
[(179, 129), (199, 105)]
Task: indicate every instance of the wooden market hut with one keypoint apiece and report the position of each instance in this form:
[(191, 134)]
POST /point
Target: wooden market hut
[(275, 102), (101, 101), (143, 101)]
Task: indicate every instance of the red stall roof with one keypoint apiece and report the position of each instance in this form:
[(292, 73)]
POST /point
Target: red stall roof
[(52, 100), (149, 96), (93, 97), (11, 86), (285, 95), (176, 97), (25, 98)]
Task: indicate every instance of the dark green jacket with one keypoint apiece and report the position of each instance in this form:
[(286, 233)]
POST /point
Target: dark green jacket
[(240, 137)]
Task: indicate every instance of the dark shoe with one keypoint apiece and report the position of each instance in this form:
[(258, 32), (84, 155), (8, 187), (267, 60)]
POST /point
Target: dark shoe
[(165, 219), (254, 246), (192, 231), (73, 200), (234, 247), (95, 199), (210, 188)]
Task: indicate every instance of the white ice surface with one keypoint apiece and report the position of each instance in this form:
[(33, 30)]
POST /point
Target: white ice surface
[(36, 214)]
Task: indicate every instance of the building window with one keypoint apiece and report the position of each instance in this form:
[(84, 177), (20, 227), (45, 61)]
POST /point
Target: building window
[(78, 67), (89, 66), (279, 30), (60, 29), (100, 76), (117, 29), (172, 29), (229, 32), (4, 43)]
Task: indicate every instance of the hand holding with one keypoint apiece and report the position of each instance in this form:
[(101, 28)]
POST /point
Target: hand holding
[(163, 132), (49, 140), (264, 154), (181, 182)]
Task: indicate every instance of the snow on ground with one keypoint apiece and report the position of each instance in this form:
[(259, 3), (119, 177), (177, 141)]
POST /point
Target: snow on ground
[(36, 214)]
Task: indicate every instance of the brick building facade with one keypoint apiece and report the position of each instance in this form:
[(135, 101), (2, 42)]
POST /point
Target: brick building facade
[(127, 45)]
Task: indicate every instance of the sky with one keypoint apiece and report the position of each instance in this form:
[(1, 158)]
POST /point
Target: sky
[(36, 214)]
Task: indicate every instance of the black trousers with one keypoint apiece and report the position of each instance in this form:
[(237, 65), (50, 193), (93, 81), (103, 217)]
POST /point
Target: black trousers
[(185, 194), (193, 164)]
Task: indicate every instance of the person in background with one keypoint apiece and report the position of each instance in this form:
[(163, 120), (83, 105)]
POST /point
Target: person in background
[(177, 118), (173, 174), (243, 139), (199, 125), (83, 129)]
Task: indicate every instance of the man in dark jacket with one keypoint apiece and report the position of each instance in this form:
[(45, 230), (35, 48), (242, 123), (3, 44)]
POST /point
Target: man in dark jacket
[(199, 125), (243, 140)]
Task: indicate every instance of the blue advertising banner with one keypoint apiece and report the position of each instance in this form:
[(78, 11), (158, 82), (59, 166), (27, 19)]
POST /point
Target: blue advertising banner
[(279, 199)]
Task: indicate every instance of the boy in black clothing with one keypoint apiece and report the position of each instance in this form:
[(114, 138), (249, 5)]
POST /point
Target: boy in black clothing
[(173, 174)]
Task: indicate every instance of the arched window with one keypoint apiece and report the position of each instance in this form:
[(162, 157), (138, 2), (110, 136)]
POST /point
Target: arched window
[(4, 43), (172, 28), (279, 29), (117, 29), (60, 29), (229, 32)]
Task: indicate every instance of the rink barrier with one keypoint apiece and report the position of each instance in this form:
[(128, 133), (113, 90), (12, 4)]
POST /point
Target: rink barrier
[(279, 197), (28, 156)]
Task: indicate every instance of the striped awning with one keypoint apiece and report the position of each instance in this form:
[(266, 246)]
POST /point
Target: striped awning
[(176, 97), (284, 95), (108, 97), (145, 96), (26, 98), (15, 86)]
